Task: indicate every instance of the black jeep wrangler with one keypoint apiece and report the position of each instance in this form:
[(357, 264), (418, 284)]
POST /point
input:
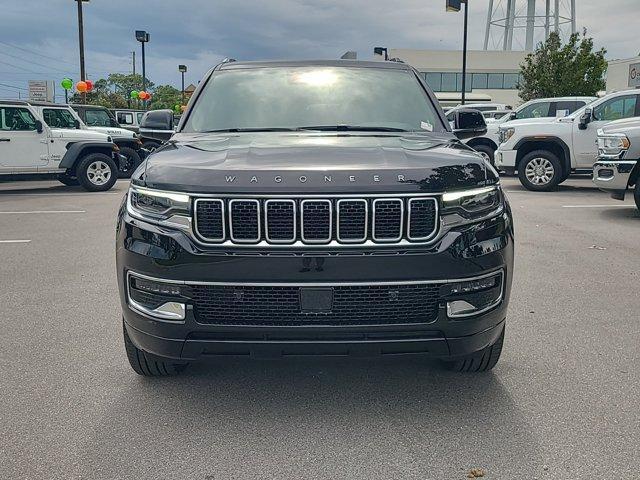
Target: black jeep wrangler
[(321, 207)]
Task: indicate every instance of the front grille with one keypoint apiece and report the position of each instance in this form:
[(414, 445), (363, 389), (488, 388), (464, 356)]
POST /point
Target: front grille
[(280, 305), (316, 221)]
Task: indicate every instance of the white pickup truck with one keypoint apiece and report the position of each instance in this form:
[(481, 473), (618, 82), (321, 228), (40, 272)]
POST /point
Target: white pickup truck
[(550, 108), (30, 148), (545, 152)]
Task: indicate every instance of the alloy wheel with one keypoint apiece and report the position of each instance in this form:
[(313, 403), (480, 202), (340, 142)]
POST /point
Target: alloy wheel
[(539, 171), (99, 172)]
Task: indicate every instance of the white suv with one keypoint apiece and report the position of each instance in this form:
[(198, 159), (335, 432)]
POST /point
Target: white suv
[(488, 143), (29, 148), (544, 152)]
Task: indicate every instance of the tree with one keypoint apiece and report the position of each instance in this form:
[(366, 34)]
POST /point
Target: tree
[(556, 70), (165, 96)]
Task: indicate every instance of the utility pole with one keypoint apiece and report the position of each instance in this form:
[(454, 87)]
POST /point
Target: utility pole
[(133, 61), (464, 52), (81, 44)]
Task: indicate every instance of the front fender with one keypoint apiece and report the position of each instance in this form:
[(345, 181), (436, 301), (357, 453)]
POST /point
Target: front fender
[(77, 149)]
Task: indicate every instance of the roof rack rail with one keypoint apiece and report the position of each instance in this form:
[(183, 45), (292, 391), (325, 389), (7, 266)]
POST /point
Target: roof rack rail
[(228, 60)]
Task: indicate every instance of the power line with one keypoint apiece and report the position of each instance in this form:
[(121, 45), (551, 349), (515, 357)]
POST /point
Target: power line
[(35, 63), (13, 86), (36, 53), (18, 67)]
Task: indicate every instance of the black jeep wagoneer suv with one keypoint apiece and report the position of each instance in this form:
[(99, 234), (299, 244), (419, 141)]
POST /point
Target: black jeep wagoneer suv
[(315, 208)]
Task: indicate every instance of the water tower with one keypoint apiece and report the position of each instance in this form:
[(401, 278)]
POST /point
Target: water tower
[(520, 24)]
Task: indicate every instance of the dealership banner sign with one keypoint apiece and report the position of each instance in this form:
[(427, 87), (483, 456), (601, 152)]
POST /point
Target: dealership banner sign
[(634, 75)]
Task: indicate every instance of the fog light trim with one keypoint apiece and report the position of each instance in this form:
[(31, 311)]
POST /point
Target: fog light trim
[(169, 311), (460, 308)]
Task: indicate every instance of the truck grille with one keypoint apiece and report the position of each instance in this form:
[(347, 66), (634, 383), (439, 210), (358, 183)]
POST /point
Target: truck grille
[(281, 305), (316, 221)]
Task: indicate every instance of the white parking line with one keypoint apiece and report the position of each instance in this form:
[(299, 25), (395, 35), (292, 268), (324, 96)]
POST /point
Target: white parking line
[(598, 206), (27, 212), (8, 194), (15, 241)]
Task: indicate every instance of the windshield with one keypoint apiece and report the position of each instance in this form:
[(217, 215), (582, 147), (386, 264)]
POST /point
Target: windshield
[(59, 118), (322, 98), (98, 118)]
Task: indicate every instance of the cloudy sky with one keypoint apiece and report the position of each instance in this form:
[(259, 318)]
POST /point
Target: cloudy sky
[(39, 38)]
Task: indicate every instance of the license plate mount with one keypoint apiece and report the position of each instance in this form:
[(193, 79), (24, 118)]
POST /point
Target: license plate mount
[(316, 299)]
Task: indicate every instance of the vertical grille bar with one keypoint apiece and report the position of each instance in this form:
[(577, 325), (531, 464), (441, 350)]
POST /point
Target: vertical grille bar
[(352, 220), (388, 219), (280, 221), (316, 221), (422, 220), (209, 219), (244, 220)]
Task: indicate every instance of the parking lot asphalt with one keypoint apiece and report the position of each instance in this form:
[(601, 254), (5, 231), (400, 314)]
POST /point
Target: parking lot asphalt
[(563, 402)]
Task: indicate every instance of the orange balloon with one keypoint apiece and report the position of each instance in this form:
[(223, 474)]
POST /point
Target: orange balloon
[(142, 94), (81, 86)]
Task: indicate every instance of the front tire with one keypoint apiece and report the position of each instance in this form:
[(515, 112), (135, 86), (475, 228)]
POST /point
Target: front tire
[(97, 172), (540, 171), (486, 152), (130, 164), (636, 193), (481, 361), (149, 365)]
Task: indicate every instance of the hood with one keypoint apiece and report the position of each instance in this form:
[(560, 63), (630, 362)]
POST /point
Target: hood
[(313, 163), (622, 126), (113, 131), (79, 134), (532, 121)]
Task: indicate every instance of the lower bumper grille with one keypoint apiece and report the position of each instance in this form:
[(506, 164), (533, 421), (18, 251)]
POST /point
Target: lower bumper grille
[(281, 305)]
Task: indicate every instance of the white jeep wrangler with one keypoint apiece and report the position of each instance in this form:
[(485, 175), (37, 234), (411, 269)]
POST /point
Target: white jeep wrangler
[(29, 149), (545, 152)]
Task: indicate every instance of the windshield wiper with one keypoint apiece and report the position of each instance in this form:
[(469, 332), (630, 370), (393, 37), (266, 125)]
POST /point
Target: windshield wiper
[(255, 129), (351, 128)]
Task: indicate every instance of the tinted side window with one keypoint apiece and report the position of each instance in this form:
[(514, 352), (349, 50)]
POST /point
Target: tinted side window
[(535, 110), (16, 119), (566, 107), (97, 118), (125, 118), (616, 108)]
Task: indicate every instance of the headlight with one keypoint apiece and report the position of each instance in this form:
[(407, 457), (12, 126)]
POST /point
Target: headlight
[(506, 134), (468, 206), (613, 146), (159, 207)]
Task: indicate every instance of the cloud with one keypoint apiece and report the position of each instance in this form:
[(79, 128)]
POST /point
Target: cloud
[(199, 33)]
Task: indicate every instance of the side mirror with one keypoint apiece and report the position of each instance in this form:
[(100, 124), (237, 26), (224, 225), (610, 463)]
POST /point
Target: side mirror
[(585, 119), (469, 123), (39, 127), (76, 124), (513, 116)]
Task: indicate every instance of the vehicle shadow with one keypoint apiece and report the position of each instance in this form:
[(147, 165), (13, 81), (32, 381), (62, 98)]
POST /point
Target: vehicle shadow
[(350, 418), (620, 213)]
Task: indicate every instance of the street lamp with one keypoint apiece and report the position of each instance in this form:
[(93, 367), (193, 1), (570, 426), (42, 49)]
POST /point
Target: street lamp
[(454, 6), (143, 37), (81, 44), (182, 69)]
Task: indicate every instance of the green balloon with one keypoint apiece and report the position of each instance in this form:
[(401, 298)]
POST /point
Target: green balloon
[(67, 83), (134, 94)]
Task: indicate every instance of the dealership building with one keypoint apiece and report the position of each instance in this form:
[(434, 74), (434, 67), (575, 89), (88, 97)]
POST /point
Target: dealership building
[(492, 76)]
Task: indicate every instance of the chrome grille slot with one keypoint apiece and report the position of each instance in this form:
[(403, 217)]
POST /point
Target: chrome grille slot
[(244, 220), (388, 218), (352, 219), (422, 218), (280, 221), (316, 223), (209, 219)]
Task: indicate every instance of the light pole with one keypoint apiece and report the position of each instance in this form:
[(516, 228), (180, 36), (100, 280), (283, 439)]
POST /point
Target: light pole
[(81, 44), (182, 69), (143, 37), (454, 6)]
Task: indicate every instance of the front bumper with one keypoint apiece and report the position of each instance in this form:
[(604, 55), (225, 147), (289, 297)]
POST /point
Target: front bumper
[(506, 159), (613, 176), (473, 251)]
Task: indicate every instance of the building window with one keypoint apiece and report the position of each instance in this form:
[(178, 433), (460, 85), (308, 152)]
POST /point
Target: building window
[(511, 80), (479, 80), (449, 82), (467, 85), (434, 80), (495, 80)]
